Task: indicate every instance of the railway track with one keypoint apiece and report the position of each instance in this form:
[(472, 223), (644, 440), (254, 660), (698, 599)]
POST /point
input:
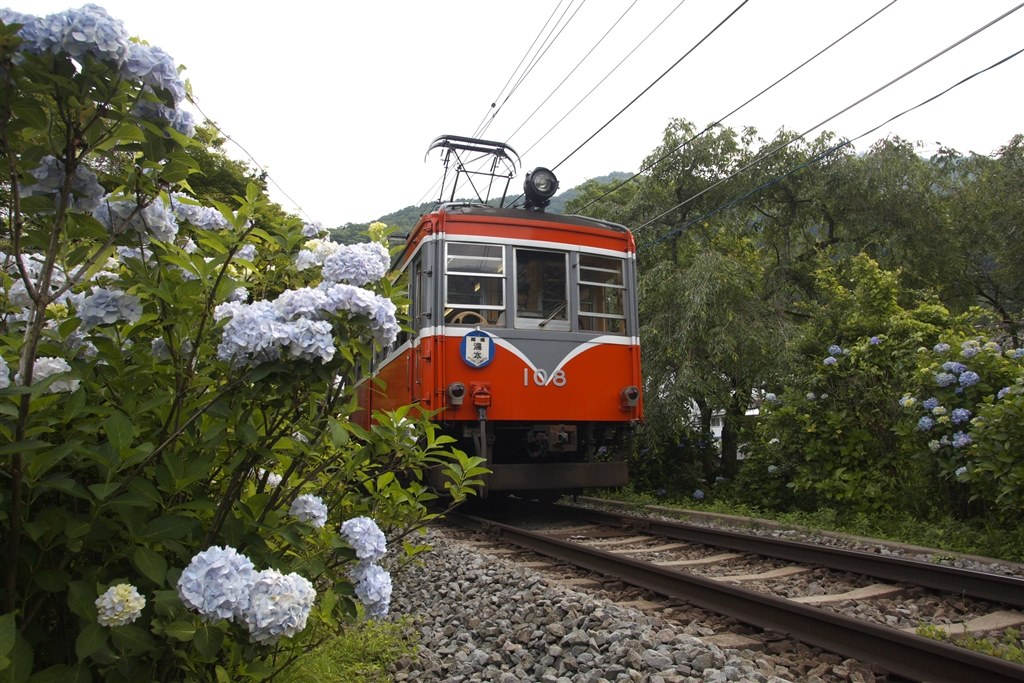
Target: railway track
[(687, 563)]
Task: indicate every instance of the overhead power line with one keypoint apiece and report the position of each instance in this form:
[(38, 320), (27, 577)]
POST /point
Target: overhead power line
[(666, 155), (653, 83), (821, 155), (779, 148)]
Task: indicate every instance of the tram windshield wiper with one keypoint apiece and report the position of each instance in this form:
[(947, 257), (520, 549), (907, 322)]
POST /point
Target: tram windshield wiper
[(558, 309)]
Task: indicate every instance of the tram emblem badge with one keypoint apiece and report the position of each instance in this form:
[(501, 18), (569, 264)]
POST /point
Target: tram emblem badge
[(477, 348)]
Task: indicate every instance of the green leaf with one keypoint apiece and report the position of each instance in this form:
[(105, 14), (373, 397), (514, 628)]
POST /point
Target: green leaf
[(151, 564), (8, 630), (90, 640), (181, 630), (132, 639), (208, 640), (101, 491), (171, 527), (82, 599), (51, 580), (120, 430)]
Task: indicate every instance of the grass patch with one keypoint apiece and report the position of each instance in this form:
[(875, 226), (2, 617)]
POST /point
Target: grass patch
[(972, 537), (362, 653)]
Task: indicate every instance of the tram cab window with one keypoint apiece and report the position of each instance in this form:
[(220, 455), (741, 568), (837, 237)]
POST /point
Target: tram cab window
[(602, 290), (542, 291), (474, 284)]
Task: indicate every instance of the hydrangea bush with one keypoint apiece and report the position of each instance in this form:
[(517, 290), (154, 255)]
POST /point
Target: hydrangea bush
[(176, 376), (962, 414)]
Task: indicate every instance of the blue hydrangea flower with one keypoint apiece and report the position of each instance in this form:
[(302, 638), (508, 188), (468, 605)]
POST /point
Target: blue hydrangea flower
[(217, 582), (86, 191), (91, 31), (961, 415), (698, 495), (772, 469), (309, 508), (830, 360), (908, 401), (961, 471), (945, 379), (373, 588), (970, 348), (309, 339), (954, 367), (925, 423), (273, 478), (770, 397), (835, 350), (875, 341), (1002, 392), (119, 605), (247, 252), (365, 537), (961, 440), (153, 67), (941, 347), (930, 403), (279, 605), (969, 378), (153, 219), (108, 306), (1017, 354), (312, 229)]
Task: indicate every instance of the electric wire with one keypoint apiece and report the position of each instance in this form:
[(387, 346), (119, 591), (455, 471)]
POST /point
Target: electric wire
[(821, 155), (264, 173), (653, 83), (779, 148), (710, 126), (606, 76), (479, 126), (538, 57), (571, 72)]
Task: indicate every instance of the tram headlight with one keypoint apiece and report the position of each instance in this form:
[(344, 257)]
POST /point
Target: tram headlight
[(630, 397), (540, 186), (456, 393)]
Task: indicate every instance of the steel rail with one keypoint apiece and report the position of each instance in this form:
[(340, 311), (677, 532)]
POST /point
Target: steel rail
[(1008, 590), (898, 652)]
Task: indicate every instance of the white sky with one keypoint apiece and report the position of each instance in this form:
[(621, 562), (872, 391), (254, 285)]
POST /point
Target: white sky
[(338, 101)]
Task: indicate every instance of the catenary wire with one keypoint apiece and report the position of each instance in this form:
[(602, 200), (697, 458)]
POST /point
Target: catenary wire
[(653, 83), (779, 148), (578, 65), (821, 155), (537, 57), (606, 76), (651, 165), (479, 126)]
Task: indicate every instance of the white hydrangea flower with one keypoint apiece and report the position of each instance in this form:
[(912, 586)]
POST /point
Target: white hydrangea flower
[(247, 252), (313, 229), (217, 582), (202, 217), (273, 478), (279, 605), (46, 366), (365, 537), (373, 588), (310, 339), (316, 251), (120, 605), (310, 509), (5, 374)]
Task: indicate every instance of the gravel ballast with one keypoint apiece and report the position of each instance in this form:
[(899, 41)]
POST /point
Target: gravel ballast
[(482, 617)]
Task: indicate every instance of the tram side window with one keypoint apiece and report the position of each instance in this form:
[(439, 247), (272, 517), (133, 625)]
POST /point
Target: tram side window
[(602, 291), (474, 284), (542, 290)]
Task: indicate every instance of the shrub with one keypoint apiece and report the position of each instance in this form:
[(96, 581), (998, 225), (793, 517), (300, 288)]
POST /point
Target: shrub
[(175, 384)]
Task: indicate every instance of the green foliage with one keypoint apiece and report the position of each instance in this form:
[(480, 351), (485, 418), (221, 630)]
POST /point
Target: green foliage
[(152, 446), (360, 654), (1009, 646)]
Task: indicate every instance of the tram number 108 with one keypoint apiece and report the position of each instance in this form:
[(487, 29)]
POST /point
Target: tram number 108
[(541, 378)]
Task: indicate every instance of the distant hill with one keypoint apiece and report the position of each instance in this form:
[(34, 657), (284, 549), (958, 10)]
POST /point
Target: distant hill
[(405, 219)]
